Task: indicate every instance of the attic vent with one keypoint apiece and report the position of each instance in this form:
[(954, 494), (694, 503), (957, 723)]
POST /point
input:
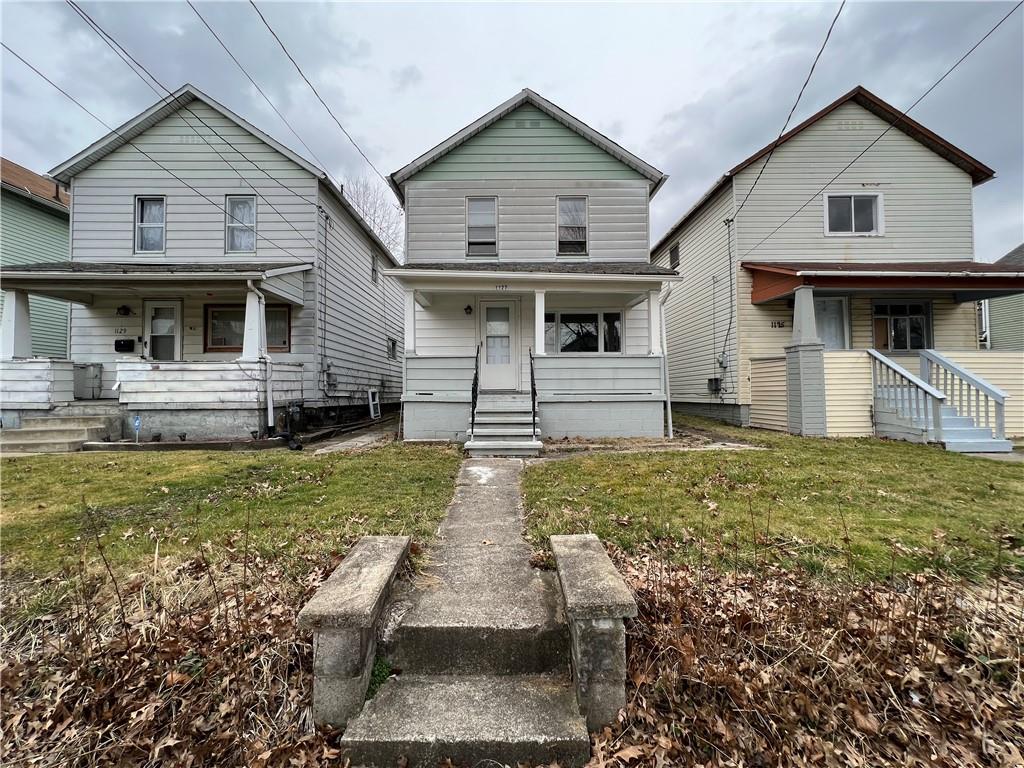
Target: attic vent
[(535, 123), (522, 123)]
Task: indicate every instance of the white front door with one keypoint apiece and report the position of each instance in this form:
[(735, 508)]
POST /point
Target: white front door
[(499, 359), (162, 333), (830, 317)]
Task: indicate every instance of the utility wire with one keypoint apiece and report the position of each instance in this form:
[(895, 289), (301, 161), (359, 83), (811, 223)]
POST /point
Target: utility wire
[(317, 93), (130, 60), (141, 151), (793, 109), (891, 125)]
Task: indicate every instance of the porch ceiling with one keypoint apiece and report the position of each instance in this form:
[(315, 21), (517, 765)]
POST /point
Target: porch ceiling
[(965, 280), (80, 282)]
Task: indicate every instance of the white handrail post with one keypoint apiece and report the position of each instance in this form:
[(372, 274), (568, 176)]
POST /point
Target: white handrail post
[(1000, 421), (937, 418)]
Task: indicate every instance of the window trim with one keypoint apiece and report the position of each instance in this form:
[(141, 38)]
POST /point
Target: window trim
[(879, 230), (929, 322), (600, 335), (482, 256), (207, 308), (228, 223), (138, 224), (586, 241)]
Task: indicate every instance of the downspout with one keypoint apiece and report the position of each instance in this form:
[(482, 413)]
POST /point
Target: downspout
[(662, 299), (268, 375)]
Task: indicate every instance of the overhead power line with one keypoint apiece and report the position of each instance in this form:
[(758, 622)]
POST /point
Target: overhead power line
[(789, 117), (130, 143), (138, 69), (888, 128), (317, 93)]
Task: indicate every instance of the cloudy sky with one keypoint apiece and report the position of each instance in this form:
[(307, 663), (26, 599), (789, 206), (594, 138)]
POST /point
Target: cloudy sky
[(691, 87)]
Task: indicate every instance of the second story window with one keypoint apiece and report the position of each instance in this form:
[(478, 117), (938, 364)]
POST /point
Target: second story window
[(673, 256), (150, 224), (572, 225), (374, 270), (482, 226), (240, 224), (853, 214)]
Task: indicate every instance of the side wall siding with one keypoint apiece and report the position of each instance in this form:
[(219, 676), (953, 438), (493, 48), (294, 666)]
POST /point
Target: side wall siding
[(1006, 322), (359, 314), (698, 312), (31, 234)]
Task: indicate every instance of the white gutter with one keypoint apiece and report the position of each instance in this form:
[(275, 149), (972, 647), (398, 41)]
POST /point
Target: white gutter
[(524, 276), (858, 273), (155, 276)]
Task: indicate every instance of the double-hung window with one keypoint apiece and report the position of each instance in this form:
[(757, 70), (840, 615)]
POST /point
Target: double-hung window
[(572, 225), (582, 331), (150, 224), (901, 326), (853, 214), (482, 226), (225, 328), (240, 224)]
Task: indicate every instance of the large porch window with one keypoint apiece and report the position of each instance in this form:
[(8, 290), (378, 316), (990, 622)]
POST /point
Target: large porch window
[(901, 326), (225, 328), (574, 331)]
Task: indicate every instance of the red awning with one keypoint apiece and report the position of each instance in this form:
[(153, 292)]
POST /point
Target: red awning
[(966, 280)]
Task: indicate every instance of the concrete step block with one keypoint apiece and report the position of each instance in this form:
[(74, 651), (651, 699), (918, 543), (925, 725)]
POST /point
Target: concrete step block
[(979, 446)]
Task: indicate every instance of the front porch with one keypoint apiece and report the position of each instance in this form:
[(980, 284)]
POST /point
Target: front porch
[(491, 357), (204, 351)]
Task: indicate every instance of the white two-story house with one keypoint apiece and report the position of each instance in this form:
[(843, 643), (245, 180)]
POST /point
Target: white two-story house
[(531, 307), (221, 287), (840, 301)]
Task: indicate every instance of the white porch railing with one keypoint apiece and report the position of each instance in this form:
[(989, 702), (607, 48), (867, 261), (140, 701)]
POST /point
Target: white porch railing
[(147, 384), (968, 394), (36, 383), (915, 403)]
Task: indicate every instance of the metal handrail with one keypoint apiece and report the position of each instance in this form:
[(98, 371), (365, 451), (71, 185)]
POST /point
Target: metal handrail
[(533, 396), (968, 394), (475, 394), (909, 396)]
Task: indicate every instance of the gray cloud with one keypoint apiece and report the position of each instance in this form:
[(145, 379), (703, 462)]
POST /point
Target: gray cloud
[(406, 77)]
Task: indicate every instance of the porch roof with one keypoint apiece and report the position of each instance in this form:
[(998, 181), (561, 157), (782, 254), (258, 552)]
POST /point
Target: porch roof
[(481, 276), (966, 280), (77, 281)]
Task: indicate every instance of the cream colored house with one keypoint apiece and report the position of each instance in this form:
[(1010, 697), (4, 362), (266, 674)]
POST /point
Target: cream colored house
[(841, 301)]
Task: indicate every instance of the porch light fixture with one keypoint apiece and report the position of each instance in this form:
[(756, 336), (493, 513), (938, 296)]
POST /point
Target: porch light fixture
[(124, 311), (469, 309)]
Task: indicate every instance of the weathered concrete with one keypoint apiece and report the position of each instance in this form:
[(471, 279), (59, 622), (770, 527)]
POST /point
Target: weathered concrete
[(343, 615), (597, 600), (471, 720)]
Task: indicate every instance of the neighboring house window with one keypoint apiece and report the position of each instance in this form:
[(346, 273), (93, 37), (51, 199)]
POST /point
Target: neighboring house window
[(482, 226), (240, 224), (374, 272), (572, 225), (673, 256), (392, 349), (902, 327), (150, 224), (853, 214), (570, 332), (225, 328)]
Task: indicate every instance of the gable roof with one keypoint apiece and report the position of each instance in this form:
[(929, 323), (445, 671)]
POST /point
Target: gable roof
[(979, 172), (526, 96), (181, 98), (29, 184), (1014, 258)]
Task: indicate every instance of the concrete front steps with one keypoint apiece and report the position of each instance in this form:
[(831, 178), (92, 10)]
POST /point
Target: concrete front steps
[(504, 426), (58, 433)]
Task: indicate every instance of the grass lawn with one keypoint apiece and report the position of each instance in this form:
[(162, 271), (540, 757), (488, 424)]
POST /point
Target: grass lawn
[(902, 506), (52, 506)]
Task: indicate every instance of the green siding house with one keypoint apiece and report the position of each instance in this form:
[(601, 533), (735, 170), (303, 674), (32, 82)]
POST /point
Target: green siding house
[(34, 228), (1006, 313)]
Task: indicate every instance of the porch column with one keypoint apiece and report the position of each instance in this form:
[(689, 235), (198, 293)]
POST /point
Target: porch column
[(538, 322), (15, 327), (253, 347), (654, 322), (805, 370), (410, 321)]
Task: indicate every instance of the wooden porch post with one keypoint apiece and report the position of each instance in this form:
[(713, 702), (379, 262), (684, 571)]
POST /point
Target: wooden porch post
[(538, 322), (15, 327)]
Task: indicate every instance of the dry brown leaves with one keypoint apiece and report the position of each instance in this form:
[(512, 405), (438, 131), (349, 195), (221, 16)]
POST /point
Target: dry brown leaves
[(775, 668)]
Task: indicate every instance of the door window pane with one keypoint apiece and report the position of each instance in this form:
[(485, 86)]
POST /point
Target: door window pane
[(498, 321), (161, 347), (578, 332), (499, 350), (163, 320), (840, 217), (864, 213), (612, 331), (572, 225)]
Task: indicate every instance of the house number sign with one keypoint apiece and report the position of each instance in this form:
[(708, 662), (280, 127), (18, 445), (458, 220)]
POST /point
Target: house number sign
[(778, 323), (501, 287)]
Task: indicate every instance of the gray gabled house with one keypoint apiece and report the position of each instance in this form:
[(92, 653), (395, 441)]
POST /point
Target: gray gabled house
[(219, 281), (531, 307)]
